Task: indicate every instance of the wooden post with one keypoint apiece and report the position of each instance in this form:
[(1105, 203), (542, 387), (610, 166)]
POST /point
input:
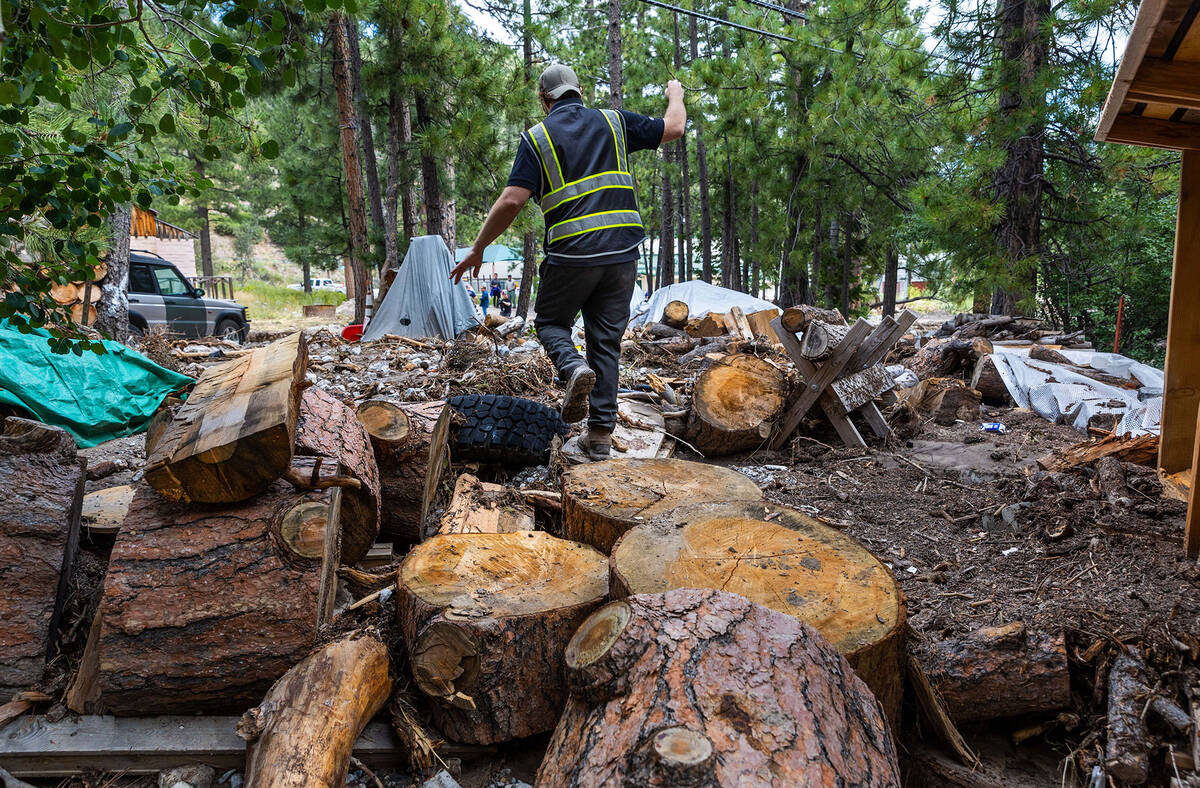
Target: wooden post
[(1192, 533), (1181, 392)]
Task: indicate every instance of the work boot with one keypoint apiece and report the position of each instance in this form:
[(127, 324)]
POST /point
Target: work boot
[(596, 443), (575, 400)]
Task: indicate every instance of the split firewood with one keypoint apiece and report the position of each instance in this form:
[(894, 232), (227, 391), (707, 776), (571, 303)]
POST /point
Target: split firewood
[(659, 697), (944, 400), (485, 618), (19, 704), (603, 500), (711, 325), (997, 672), (234, 435), (1142, 450), (544, 499), (303, 732), (327, 428), (411, 443), (1039, 353), (735, 405), (418, 743), (41, 493), (760, 323), (485, 508), (782, 559), (229, 596), (738, 325), (987, 381), (675, 314), (821, 339), (1127, 754), (104, 510), (797, 318)]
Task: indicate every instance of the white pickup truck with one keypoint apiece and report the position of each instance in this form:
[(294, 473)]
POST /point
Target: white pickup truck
[(320, 284)]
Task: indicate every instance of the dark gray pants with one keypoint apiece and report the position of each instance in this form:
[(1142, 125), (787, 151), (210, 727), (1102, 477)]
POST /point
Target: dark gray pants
[(602, 293)]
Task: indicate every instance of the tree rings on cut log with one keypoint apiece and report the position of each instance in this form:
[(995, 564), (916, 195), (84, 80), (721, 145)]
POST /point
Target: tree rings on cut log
[(486, 618), (675, 314), (706, 688), (603, 500), (791, 563), (735, 404)]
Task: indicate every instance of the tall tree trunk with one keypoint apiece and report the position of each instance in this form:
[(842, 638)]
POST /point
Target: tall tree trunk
[(112, 310), (306, 263), (818, 245), (529, 242), (706, 270), (891, 273), (651, 270), (615, 77), (350, 162), (1017, 183), (429, 173), (206, 259), (847, 251), (685, 184), (755, 269), (666, 243), (409, 200), (449, 209), (391, 247), (366, 136)]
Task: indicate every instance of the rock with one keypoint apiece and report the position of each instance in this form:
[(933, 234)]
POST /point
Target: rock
[(194, 775)]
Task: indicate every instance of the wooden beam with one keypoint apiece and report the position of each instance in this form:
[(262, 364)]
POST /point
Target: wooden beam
[(1149, 14), (1191, 539), (1154, 133), (1181, 387), (1174, 83)]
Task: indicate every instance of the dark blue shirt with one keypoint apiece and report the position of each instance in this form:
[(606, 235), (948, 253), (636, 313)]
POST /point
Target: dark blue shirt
[(641, 133)]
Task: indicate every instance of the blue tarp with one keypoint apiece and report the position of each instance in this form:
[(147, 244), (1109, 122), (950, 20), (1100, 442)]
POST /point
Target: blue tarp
[(94, 397)]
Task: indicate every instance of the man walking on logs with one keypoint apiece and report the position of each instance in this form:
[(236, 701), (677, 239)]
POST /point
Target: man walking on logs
[(575, 166)]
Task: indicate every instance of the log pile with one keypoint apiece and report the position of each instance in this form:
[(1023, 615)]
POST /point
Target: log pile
[(81, 297), (735, 405)]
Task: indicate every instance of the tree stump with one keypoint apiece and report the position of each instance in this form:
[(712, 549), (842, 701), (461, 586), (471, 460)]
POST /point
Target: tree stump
[(328, 429), (603, 500), (796, 318), (821, 339), (735, 405), (486, 618), (234, 435), (411, 449), (705, 688), (675, 314), (205, 606), (485, 508), (791, 563), (41, 493), (303, 732)]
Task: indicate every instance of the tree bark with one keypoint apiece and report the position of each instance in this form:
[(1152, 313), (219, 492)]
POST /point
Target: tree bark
[(41, 493), (1127, 754), (486, 618), (658, 698), (847, 251), (791, 563), (736, 403), (365, 133), (821, 339), (706, 269), (112, 310), (430, 179), (666, 240), (601, 501), (797, 318), (409, 199), (351, 167), (528, 272), (615, 62), (449, 209), (891, 273), (814, 288), (391, 244), (206, 260), (303, 732)]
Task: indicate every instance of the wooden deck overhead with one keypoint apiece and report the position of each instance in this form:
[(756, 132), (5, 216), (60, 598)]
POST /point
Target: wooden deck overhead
[(1155, 97)]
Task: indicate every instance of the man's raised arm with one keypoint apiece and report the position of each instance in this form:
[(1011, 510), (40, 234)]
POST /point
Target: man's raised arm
[(499, 218), (675, 119)]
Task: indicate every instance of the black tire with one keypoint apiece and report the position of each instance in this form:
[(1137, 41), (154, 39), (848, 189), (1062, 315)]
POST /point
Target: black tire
[(505, 430), (228, 328)]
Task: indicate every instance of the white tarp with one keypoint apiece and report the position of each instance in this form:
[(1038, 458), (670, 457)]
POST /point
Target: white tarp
[(422, 301), (701, 299), (1061, 395)]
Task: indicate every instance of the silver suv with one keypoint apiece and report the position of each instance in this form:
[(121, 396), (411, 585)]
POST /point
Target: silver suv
[(159, 295)]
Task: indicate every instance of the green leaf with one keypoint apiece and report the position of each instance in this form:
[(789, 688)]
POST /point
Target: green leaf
[(256, 63), (141, 94), (119, 130), (270, 149), (235, 18), (8, 92), (314, 6), (198, 48), (166, 124)]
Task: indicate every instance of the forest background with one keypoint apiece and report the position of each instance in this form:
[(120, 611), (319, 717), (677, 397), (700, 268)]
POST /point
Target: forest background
[(828, 144)]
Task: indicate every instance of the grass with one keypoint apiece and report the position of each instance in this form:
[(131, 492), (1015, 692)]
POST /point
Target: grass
[(281, 303)]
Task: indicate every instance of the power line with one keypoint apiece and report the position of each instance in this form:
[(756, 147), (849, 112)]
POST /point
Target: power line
[(718, 21), (781, 9)]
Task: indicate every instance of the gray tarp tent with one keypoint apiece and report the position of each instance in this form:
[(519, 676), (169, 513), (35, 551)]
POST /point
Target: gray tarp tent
[(422, 301)]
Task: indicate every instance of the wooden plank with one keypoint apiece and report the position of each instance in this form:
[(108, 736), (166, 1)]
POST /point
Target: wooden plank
[(104, 510), (1167, 82), (876, 421), (1135, 49), (845, 428), (1181, 388), (1154, 133), (878, 352), (34, 747), (760, 321), (872, 344), (1191, 541), (857, 389)]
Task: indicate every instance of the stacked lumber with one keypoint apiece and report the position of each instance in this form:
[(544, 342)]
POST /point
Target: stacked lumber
[(703, 687), (41, 492), (735, 405)]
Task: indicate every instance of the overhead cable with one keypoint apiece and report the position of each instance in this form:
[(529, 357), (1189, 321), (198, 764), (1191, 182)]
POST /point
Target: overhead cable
[(781, 9), (718, 20)]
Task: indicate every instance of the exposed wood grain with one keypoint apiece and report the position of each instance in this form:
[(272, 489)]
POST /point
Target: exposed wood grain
[(485, 508), (736, 403)]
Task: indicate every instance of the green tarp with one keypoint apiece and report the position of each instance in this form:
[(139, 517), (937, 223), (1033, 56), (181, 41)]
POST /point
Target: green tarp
[(94, 397)]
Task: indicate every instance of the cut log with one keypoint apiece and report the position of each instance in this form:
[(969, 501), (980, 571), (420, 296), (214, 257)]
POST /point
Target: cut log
[(675, 314), (705, 688), (41, 492), (485, 508), (104, 510), (486, 618), (303, 732), (603, 500), (1039, 353), (998, 672), (205, 606), (855, 390), (796, 318), (760, 323), (411, 449), (1142, 450), (738, 326), (234, 435), (781, 559), (712, 325), (987, 381), (1110, 472), (944, 400), (327, 429), (1127, 753), (942, 358), (735, 405), (821, 339)]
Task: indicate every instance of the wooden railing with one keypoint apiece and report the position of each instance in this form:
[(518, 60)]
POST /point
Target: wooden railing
[(214, 286)]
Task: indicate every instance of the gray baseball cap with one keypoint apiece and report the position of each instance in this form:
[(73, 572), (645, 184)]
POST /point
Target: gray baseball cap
[(557, 81)]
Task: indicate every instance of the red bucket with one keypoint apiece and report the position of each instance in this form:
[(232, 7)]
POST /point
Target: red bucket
[(352, 333)]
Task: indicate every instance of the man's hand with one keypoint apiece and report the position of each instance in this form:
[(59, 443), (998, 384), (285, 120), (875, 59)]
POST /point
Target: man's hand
[(675, 118), (473, 260), (675, 90)]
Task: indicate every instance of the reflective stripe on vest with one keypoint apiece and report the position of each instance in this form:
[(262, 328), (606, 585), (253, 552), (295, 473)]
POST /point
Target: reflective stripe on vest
[(614, 123), (595, 221), (545, 148), (592, 183)]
